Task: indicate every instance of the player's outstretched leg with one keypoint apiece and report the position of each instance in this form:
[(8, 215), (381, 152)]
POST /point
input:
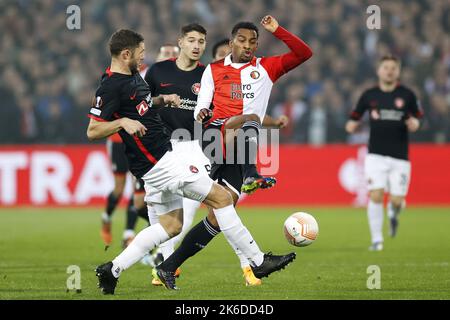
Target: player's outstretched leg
[(170, 225), (237, 235)]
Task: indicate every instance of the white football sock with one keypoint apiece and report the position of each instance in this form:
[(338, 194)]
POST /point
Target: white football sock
[(189, 209), (106, 218), (167, 248), (375, 215), (128, 233), (237, 234), (145, 240), (242, 259)]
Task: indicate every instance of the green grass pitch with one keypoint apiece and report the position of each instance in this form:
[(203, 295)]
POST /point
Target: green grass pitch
[(37, 246)]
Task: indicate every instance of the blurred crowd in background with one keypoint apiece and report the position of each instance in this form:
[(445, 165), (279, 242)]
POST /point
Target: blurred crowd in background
[(48, 74)]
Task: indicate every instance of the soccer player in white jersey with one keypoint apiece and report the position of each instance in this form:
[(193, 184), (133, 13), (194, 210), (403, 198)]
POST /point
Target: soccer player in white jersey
[(238, 87)]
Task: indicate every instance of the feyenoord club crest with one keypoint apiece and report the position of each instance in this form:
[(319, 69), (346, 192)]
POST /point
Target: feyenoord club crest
[(254, 74), (195, 88), (193, 169), (399, 103)]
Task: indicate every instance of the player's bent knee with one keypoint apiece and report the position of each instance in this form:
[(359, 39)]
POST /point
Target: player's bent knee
[(172, 222), (224, 199), (173, 228), (397, 201), (252, 117), (176, 228), (218, 197), (377, 196)]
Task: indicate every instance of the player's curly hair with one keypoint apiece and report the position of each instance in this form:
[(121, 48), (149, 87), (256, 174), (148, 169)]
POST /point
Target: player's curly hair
[(244, 25), (124, 39)]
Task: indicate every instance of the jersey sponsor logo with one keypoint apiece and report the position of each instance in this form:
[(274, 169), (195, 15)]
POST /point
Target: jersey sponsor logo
[(195, 88), (241, 91), (133, 96), (399, 103), (254, 74), (187, 104), (97, 102), (142, 108), (193, 169), (391, 115), (163, 84), (95, 111)]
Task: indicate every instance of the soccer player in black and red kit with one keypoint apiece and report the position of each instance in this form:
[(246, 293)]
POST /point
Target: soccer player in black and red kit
[(116, 152), (394, 111), (181, 76), (124, 105)]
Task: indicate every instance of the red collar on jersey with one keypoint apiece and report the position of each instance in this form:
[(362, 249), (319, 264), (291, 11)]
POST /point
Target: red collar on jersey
[(109, 72)]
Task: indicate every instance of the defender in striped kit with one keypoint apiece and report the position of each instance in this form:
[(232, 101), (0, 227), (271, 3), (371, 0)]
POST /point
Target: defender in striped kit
[(238, 88)]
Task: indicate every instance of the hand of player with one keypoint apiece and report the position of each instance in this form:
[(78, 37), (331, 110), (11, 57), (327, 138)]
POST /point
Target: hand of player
[(133, 127), (204, 115), (282, 121), (172, 100), (412, 124), (269, 23), (351, 126)]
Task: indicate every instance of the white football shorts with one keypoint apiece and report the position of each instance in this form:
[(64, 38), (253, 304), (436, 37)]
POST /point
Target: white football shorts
[(388, 173), (180, 173)]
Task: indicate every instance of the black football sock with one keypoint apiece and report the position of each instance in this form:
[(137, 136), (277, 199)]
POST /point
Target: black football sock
[(248, 158), (194, 241), (143, 213), (131, 215), (111, 203)]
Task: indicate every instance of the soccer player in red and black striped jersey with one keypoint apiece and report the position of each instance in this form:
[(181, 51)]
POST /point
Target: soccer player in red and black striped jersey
[(124, 105), (394, 111), (222, 88)]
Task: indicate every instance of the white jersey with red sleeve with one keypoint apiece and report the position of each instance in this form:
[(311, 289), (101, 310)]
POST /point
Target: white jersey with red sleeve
[(244, 88)]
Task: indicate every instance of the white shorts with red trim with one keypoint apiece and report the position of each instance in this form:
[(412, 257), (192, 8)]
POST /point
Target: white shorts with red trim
[(391, 174), (180, 173)]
